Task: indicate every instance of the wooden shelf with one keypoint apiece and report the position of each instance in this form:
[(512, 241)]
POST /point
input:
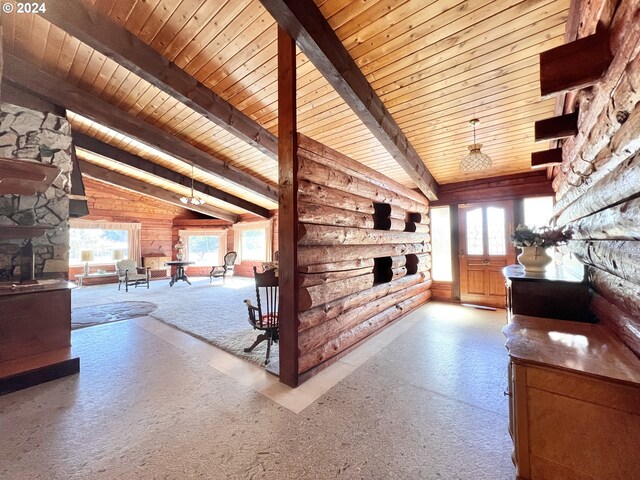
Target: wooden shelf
[(25, 177), (24, 231)]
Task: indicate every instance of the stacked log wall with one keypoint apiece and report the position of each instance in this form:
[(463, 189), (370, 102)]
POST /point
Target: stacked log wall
[(598, 186), (363, 252)]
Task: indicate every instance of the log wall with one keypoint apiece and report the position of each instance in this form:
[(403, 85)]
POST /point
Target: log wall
[(363, 252), (598, 186)]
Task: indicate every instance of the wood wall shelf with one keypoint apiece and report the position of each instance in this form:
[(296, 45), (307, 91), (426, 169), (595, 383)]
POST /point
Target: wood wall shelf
[(25, 177), (24, 231)]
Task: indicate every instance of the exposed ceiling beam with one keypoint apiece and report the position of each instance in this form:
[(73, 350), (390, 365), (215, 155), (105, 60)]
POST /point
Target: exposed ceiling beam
[(60, 92), (304, 21), (138, 186), (82, 21), (98, 147)]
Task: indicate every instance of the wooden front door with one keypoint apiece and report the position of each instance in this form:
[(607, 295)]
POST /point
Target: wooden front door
[(484, 251)]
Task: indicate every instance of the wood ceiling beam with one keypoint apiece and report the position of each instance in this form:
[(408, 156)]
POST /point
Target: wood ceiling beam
[(101, 33), (138, 186), (304, 21), (63, 93), (98, 147)]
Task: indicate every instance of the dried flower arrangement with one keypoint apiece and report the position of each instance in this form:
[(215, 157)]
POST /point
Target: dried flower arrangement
[(544, 237)]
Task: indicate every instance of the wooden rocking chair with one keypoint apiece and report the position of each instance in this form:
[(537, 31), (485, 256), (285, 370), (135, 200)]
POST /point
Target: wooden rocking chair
[(264, 317)]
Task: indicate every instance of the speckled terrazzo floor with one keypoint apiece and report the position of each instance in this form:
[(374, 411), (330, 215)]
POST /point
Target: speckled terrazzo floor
[(428, 405)]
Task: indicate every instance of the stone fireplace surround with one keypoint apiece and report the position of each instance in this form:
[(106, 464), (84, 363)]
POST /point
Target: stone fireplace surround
[(43, 137)]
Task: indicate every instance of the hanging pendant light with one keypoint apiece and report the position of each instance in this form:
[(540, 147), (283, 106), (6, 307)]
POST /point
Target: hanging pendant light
[(475, 160), (193, 200)]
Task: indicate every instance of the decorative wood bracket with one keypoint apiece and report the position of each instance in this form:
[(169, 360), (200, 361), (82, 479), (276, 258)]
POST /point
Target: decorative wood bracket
[(546, 158), (557, 127), (574, 65)]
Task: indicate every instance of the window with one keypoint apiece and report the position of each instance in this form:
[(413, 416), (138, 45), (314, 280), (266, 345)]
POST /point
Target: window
[(253, 241), (100, 241), (204, 247), (538, 211), (254, 245), (441, 244)]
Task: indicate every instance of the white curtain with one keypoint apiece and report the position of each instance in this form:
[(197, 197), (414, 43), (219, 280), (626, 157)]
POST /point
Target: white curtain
[(239, 228), (222, 240), (134, 233)]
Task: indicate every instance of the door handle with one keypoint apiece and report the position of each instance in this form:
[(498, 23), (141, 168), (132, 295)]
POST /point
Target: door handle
[(461, 252)]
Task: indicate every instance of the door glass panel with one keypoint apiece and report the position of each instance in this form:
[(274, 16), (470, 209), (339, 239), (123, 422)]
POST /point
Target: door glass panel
[(474, 232), (496, 230)]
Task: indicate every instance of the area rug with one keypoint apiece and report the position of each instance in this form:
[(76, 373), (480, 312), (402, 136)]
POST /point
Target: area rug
[(109, 312), (212, 312)]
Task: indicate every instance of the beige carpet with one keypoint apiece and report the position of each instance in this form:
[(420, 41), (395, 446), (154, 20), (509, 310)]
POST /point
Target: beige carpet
[(214, 313)]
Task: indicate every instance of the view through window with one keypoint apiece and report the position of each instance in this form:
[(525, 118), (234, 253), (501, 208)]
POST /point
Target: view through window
[(101, 242), (440, 244), (254, 245), (203, 249), (538, 211)]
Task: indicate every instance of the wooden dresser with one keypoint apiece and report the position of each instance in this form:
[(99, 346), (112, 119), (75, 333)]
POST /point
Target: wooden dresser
[(574, 393), (555, 293)]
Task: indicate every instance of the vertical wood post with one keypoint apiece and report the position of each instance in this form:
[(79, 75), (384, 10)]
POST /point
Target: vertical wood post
[(288, 209)]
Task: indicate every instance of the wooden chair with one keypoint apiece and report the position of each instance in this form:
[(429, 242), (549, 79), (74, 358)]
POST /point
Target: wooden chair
[(225, 270), (130, 274), (264, 316)]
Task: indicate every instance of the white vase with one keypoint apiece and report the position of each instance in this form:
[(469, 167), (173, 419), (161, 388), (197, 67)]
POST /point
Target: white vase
[(534, 259)]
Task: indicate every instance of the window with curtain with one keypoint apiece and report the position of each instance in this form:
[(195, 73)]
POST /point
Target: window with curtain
[(253, 241), (254, 245), (104, 239), (102, 242), (204, 247)]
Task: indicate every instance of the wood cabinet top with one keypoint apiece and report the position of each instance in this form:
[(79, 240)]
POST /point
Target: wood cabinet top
[(9, 288), (553, 273), (580, 347)]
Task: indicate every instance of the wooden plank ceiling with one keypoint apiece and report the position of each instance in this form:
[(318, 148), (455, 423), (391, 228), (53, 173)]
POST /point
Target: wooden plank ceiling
[(434, 64)]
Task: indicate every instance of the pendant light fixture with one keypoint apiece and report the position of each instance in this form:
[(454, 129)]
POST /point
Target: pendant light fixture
[(193, 200), (475, 160)]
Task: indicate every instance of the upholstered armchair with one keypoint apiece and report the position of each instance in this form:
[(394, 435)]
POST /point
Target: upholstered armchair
[(225, 270), (130, 274)]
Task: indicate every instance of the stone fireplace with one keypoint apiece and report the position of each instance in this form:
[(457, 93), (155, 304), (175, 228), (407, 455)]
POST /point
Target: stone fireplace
[(43, 137)]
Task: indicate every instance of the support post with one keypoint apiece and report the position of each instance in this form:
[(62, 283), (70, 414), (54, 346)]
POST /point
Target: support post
[(288, 209)]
